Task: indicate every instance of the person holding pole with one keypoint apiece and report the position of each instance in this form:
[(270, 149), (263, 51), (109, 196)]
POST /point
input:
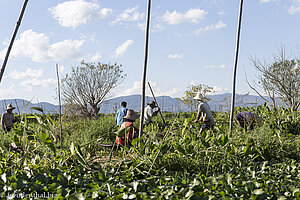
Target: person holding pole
[(8, 119), (149, 113), (204, 114)]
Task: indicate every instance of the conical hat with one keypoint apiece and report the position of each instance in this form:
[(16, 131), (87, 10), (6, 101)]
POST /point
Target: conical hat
[(10, 107), (131, 115), (200, 96), (152, 103)]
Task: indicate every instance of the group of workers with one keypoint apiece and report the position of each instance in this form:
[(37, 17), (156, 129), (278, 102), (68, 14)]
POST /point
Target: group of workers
[(125, 118)]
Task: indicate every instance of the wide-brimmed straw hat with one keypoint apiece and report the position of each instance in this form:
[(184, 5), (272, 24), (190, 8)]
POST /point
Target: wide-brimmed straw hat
[(152, 103), (10, 107), (131, 115), (200, 96)]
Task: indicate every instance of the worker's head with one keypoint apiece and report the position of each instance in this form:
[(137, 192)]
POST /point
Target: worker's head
[(152, 104), (124, 104), (200, 97), (9, 108), (131, 116)]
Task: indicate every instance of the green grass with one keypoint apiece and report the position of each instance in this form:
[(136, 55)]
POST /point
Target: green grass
[(260, 164)]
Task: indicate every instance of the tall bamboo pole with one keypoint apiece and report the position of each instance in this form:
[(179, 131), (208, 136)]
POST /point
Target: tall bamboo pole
[(235, 66), (59, 101), (13, 39), (145, 69)]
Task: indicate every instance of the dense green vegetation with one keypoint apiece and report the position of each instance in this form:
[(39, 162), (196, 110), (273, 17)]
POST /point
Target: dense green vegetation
[(260, 164)]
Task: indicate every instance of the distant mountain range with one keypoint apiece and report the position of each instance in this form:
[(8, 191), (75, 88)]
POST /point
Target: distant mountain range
[(218, 102)]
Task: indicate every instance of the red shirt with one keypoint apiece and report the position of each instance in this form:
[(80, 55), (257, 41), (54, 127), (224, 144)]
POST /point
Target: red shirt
[(131, 134)]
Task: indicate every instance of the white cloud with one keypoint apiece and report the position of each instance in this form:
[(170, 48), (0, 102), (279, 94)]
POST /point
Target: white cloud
[(155, 28), (265, 1), (219, 90), (123, 48), (29, 73), (78, 12), (93, 58), (6, 93), (216, 26), (137, 88), (175, 56), (35, 83), (91, 37), (221, 13), (294, 8), (217, 67), (268, 1), (190, 16), (36, 46), (129, 14)]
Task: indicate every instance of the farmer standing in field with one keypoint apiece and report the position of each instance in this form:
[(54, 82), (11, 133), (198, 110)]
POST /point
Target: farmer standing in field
[(149, 113), (245, 119), (132, 131), (204, 113), (8, 119), (121, 113)]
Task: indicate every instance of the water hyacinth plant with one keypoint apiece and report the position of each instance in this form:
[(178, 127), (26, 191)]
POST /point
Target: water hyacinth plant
[(172, 162)]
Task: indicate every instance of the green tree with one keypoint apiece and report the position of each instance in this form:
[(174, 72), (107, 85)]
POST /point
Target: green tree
[(88, 85), (191, 91), (281, 78)]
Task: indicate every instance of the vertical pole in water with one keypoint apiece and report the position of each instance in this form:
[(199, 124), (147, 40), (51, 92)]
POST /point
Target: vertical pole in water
[(145, 70), (235, 66), (13, 39)]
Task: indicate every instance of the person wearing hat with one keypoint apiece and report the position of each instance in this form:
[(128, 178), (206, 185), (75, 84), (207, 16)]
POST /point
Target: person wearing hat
[(7, 119), (149, 113), (204, 113), (121, 113), (132, 131), (244, 119)]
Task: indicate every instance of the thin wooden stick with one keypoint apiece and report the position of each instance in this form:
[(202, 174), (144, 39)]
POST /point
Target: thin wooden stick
[(162, 117), (59, 101)]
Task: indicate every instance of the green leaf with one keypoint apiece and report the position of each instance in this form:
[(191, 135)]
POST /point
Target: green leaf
[(132, 196), (224, 139), (180, 148), (258, 191), (3, 177), (16, 140), (37, 108), (62, 180), (77, 197), (72, 148)]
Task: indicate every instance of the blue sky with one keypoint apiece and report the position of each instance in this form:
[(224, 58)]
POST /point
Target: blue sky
[(190, 42)]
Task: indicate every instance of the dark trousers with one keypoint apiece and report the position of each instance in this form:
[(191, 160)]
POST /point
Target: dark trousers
[(7, 128)]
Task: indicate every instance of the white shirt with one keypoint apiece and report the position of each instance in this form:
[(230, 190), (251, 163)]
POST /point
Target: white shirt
[(148, 114), (205, 112)]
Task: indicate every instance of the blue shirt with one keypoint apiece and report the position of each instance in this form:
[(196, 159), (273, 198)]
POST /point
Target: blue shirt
[(120, 114)]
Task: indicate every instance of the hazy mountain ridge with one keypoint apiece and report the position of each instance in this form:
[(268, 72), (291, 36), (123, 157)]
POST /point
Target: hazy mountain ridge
[(218, 102)]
